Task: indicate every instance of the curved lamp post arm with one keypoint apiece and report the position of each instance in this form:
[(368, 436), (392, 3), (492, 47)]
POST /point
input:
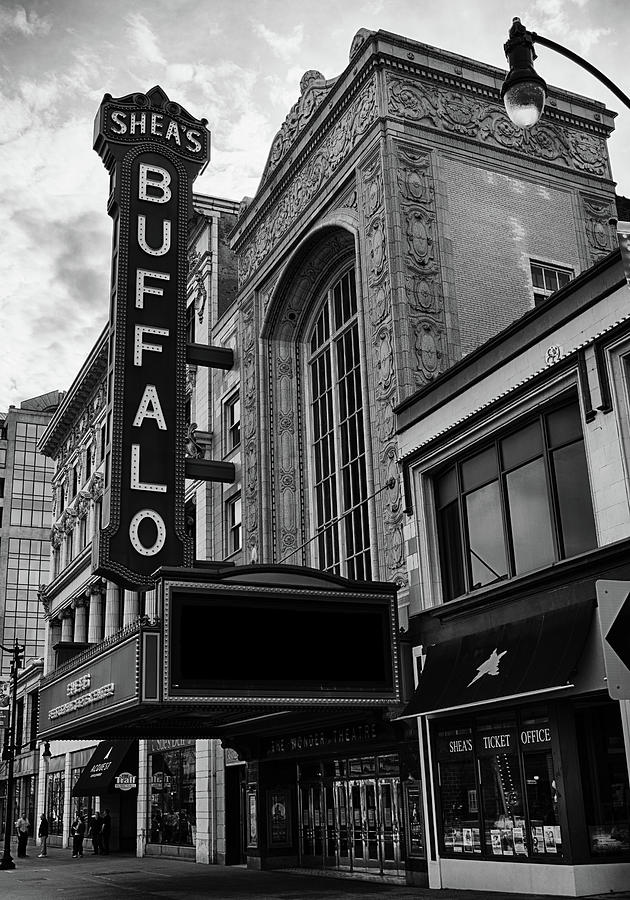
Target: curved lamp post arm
[(564, 51), (524, 91)]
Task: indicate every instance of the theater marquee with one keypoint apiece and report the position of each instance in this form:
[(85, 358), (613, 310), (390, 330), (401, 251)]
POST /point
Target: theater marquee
[(153, 150)]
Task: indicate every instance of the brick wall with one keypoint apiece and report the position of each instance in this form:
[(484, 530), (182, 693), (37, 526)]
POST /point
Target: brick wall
[(498, 223)]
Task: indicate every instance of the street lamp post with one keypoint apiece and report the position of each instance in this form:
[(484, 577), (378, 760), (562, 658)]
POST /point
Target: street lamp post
[(524, 91), (16, 662)]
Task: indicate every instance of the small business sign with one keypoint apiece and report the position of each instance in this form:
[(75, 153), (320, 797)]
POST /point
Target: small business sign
[(126, 781), (153, 150)]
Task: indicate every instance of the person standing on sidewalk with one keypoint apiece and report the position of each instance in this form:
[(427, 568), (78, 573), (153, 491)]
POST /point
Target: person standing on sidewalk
[(21, 826), (43, 834), (96, 826), (106, 832), (78, 833)]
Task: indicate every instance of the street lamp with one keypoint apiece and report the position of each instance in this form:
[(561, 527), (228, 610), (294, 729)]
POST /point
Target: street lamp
[(524, 91), (16, 663)]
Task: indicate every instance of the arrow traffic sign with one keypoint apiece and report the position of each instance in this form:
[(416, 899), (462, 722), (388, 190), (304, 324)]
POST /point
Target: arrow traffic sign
[(613, 610)]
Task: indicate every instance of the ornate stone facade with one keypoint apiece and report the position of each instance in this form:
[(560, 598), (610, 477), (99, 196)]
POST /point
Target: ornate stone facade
[(458, 114), (308, 181), (381, 365)]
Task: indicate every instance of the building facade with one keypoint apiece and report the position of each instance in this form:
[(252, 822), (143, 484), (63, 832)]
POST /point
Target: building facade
[(25, 518), (401, 222), (516, 467)]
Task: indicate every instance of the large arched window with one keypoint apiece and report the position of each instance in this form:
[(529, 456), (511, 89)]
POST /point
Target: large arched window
[(340, 509)]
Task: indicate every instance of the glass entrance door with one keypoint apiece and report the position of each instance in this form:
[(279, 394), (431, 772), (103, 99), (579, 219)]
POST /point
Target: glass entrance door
[(353, 824), (390, 817)]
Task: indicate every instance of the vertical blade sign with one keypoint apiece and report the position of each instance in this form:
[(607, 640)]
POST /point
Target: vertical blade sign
[(153, 150)]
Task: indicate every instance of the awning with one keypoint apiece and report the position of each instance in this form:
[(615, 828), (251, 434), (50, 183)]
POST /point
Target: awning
[(513, 660), (98, 775)]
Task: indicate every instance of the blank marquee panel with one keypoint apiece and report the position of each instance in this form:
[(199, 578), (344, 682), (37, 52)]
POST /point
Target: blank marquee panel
[(279, 644)]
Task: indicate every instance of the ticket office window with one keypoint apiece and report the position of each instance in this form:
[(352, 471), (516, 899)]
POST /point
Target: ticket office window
[(498, 797)]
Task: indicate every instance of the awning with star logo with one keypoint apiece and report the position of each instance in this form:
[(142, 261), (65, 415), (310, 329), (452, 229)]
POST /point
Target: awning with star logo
[(517, 659)]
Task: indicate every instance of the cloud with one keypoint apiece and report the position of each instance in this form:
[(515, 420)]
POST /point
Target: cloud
[(284, 46), (17, 19), (144, 39), (557, 17)]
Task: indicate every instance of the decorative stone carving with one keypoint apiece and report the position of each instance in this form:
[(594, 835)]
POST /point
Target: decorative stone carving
[(57, 535), (191, 377), (249, 413), (193, 448), (96, 486), (457, 113), (600, 234), (44, 599), (382, 374), (83, 503), (308, 180), (423, 284), (313, 89), (358, 41), (70, 518), (201, 295)]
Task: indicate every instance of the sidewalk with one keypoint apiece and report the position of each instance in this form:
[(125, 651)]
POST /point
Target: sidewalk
[(118, 877)]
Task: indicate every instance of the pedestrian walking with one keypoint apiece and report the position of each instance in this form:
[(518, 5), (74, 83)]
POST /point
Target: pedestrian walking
[(96, 827), (42, 833), (106, 832), (78, 833), (22, 826)]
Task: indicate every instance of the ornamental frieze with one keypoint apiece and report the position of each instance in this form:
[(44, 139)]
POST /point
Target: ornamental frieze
[(308, 181), (458, 114)]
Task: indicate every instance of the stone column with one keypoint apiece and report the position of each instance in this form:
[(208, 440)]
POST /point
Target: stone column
[(112, 609), (131, 608), (204, 839), (67, 626), (150, 604), (142, 806), (53, 636), (42, 780), (67, 801), (80, 621), (95, 621)]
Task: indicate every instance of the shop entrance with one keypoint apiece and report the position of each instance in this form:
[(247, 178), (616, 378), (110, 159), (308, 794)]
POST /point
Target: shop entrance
[(352, 823)]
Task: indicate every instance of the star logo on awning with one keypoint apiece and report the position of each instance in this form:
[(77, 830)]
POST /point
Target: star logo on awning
[(490, 666)]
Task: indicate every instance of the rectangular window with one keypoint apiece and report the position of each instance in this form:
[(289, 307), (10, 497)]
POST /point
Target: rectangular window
[(497, 793), (55, 789), (232, 423), (546, 279), (519, 504), (604, 779), (172, 785), (233, 525)]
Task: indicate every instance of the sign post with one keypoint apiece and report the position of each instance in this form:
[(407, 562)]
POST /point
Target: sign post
[(153, 149), (613, 609)]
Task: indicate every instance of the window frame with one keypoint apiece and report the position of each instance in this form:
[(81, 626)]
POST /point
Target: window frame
[(541, 294), (494, 441), (232, 432), (344, 560), (233, 527)]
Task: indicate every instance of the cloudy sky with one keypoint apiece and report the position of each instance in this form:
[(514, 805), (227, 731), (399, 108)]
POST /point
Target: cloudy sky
[(237, 63)]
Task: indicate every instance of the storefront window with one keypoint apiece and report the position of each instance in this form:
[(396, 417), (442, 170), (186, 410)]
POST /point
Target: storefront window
[(55, 788), (604, 779), (458, 791), (172, 775), (502, 799), (498, 796)]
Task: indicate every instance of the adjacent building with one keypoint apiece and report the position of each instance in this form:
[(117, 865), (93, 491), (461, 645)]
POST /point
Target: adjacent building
[(516, 469), (25, 519)]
